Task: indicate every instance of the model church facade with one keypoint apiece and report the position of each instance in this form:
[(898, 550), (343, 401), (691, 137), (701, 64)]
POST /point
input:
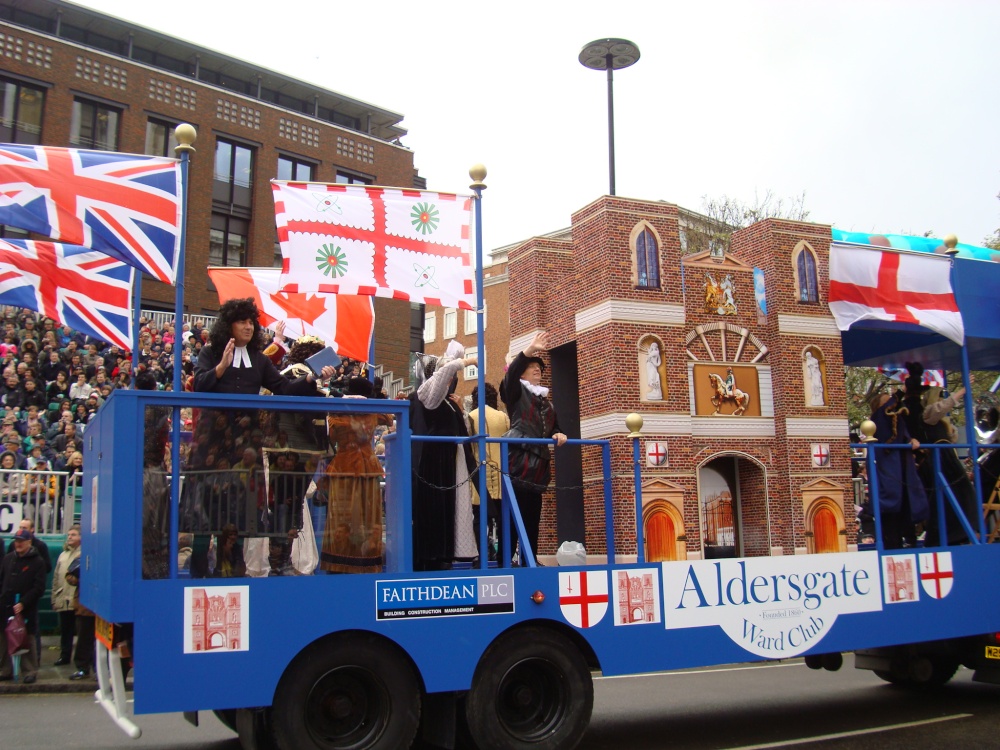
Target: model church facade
[(731, 357)]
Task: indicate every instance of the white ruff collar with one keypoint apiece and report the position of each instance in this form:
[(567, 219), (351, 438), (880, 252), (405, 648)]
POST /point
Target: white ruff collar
[(241, 358), (538, 390)]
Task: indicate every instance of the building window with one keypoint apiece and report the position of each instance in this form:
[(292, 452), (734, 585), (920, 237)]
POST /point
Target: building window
[(647, 258), (233, 174), (20, 113), (472, 371), (346, 178), (430, 327), (160, 140), (94, 125), (470, 320), (450, 323), (227, 241), (805, 273), (295, 170)]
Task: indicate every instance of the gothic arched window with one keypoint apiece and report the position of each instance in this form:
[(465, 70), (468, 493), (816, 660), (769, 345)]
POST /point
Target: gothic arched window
[(647, 259), (805, 273)]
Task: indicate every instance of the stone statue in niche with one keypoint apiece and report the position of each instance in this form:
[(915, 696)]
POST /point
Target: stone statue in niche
[(815, 395), (653, 361)]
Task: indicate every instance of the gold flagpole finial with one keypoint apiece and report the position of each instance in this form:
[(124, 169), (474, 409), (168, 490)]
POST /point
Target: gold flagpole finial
[(478, 174), (186, 135)]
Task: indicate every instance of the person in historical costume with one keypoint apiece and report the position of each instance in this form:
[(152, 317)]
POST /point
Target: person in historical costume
[(730, 382), (653, 362), (901, 497), (497, 425), (442, 492), (532, 415), (234, 361), (353, 487), (928, 421)]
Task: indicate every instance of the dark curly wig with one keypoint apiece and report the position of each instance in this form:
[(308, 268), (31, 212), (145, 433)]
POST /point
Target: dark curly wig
[(229, 313)]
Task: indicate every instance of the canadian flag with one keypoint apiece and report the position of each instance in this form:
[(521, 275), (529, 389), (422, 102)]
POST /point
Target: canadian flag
[(346, 323), (870, 284)]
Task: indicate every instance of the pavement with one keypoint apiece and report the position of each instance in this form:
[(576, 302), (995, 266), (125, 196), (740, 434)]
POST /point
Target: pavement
[(50, 678)]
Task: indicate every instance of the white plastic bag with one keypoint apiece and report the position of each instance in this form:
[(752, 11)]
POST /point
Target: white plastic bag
[(305, 555), (256, 554), (571, 553)]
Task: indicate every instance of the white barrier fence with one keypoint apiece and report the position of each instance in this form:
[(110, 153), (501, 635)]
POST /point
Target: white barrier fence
[(50, 498)]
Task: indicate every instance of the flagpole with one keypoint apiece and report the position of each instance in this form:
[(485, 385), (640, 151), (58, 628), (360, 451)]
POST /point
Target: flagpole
[(136, 314), (186, 136), (478, 174)]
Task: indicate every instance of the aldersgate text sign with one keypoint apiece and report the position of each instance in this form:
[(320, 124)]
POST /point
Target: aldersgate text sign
[(771, 606)]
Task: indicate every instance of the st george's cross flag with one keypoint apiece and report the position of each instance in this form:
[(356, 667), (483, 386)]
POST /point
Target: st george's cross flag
[(344, 322), (871, 284), (381, 242), (125, 205), (73, 285)]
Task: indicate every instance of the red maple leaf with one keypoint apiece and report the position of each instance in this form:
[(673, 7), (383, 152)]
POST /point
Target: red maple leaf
[(305, 307)]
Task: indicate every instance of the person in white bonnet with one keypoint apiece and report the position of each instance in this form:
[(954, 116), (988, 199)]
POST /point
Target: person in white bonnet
[(442, 493)]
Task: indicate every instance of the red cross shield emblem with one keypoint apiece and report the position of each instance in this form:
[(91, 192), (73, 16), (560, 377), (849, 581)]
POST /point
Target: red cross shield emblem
[(656, 454), (583, 597), (820, 455), (936, 574)]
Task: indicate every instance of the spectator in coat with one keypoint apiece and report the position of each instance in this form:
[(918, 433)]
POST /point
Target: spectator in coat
[(22, 585), (64, 594)]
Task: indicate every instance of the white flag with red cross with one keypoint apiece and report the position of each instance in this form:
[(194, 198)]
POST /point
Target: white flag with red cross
[(936, 574), (583, 597), (870, 284), (377, 242)]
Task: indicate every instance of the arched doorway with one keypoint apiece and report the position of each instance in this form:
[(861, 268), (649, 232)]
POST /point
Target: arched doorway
[(717, 495), (825, 533), (732, 502), (661, 537)]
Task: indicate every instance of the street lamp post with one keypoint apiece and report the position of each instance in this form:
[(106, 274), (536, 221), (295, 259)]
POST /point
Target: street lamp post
[(610, 55)]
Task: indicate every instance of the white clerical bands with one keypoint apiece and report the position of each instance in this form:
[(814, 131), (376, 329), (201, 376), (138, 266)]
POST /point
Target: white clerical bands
[(241, 358)]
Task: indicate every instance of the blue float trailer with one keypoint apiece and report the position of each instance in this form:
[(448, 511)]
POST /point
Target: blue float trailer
[(504, 653)]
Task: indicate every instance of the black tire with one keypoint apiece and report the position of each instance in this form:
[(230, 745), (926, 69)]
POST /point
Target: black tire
[(942, 669), (352, 692), (891, 677), (254, 727), (227, 716), (532, 689)]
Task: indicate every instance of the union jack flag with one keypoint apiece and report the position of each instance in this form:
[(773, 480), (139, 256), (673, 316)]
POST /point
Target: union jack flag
[(75, 286), (125, 205)]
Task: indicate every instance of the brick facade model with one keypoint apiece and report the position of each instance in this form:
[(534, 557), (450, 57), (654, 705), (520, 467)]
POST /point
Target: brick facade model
[(583, 288)]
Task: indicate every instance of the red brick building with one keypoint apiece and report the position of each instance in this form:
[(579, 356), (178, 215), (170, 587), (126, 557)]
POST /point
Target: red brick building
[(759, 468), (74, 77)]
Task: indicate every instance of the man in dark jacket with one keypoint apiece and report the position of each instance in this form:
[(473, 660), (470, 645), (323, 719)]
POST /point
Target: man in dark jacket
[(22, 585), (41, 547)]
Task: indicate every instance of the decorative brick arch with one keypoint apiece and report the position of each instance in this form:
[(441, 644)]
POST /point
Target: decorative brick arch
[(724, 342)]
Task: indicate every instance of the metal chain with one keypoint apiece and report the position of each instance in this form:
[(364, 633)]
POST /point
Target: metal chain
[(521, 482)]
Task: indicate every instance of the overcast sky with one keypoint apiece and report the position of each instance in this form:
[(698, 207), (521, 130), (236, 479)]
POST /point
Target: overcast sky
[(884, 112)]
